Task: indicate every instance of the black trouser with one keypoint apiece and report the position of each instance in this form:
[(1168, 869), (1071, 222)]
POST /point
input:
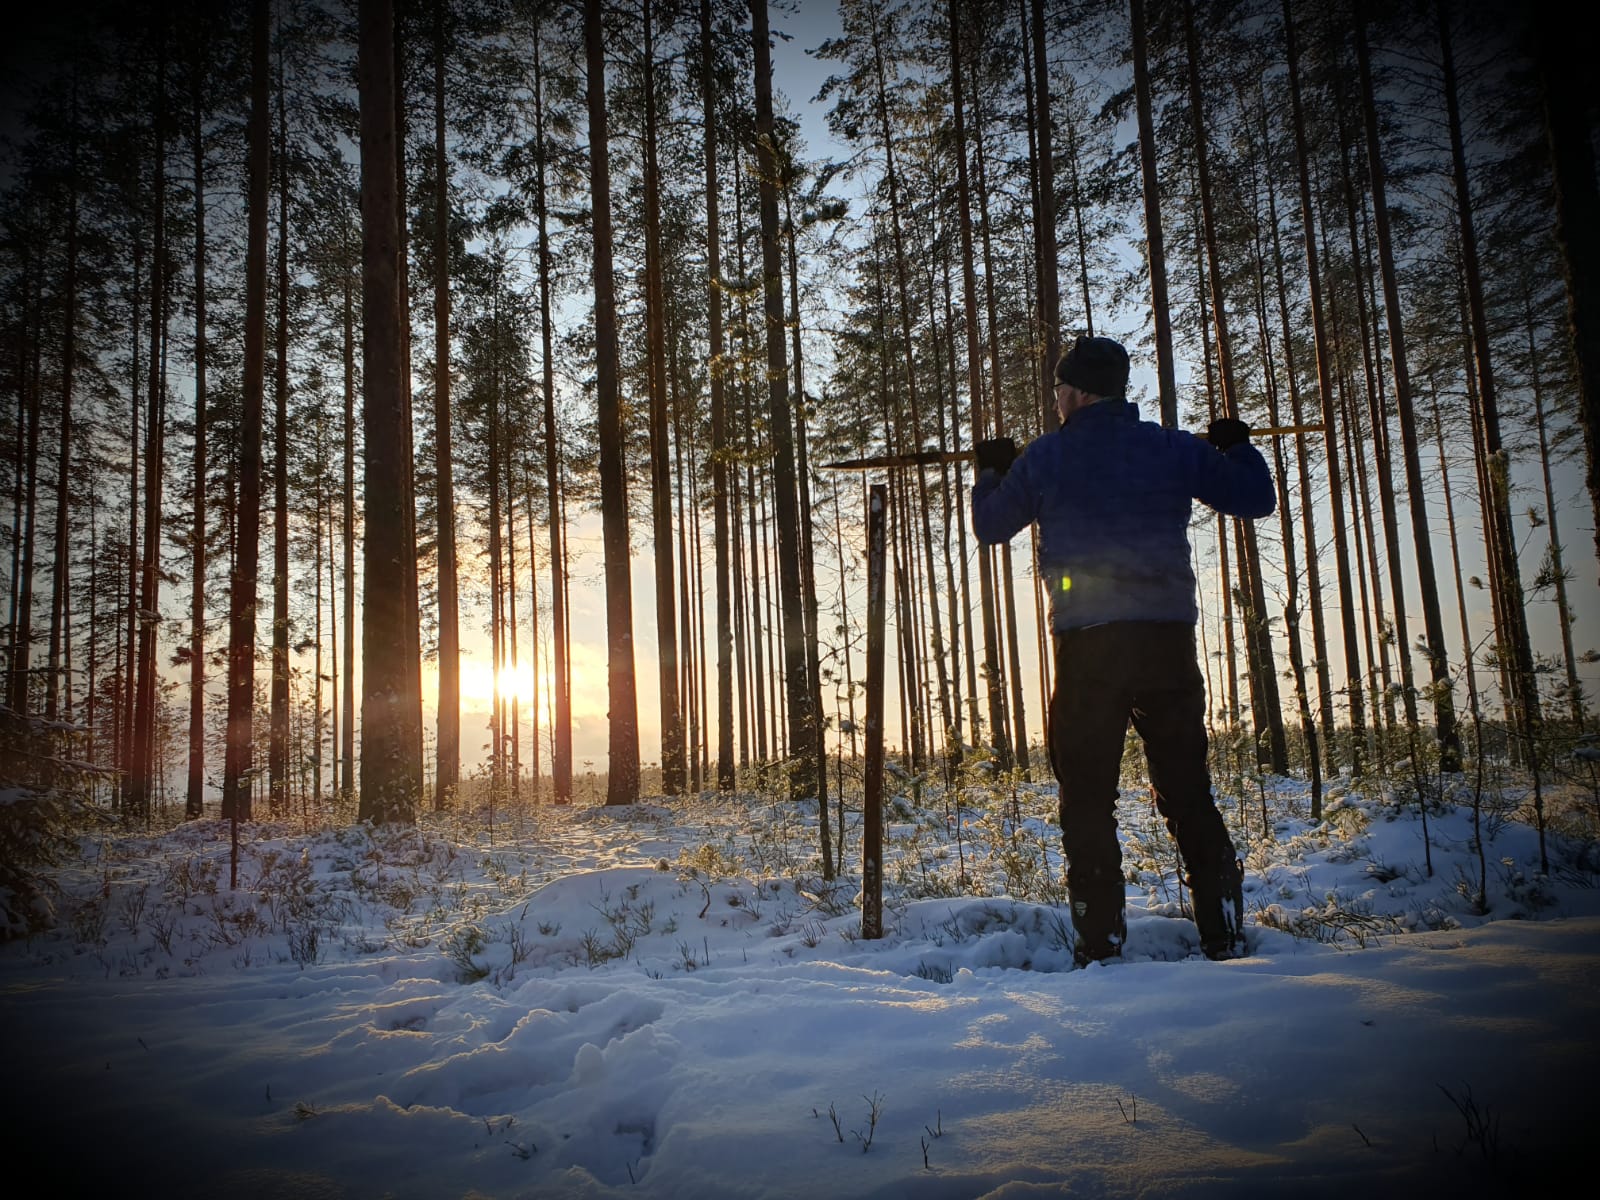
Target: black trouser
[(1106, 675)]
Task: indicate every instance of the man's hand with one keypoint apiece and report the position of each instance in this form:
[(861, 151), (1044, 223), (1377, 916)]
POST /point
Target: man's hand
[(1225, 433), (996, 454)]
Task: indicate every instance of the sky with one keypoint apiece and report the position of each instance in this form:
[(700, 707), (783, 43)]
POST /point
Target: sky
[(666, 1001)]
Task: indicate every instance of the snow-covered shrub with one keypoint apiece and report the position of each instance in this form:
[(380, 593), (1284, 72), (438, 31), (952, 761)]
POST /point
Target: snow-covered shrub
[(41, 812), (37, 831)]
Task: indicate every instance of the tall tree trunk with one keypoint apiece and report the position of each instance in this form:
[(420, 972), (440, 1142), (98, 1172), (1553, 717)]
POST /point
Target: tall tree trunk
[(1291, 607), (561, 740), (347, 753), (1433, 620), (142, 774), (60, 590), (717, 370), (1468, 655), (1503, 545), (1155, 253), (1268, 716), (1000, 719), (1319, 639), (515, 664), (130, 640), (533, 622), (194, 795), (1377, 448), (237, 776), (785, 505), (672, 744), (808, 578), (335, 696), (622, 781), (1044, 244), (1558, 569), (278, 746), (447, 750), (1224, 569), (391, 701), (1325, 366), (26, 457), (20, 697), (316, 633), (497, 673), (912, 396)]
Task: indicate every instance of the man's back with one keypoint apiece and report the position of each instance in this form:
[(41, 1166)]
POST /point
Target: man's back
[(1113, 497)]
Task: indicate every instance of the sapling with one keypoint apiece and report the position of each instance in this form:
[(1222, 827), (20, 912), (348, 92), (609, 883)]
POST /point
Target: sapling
[(1483, 1124), (874, 1111)]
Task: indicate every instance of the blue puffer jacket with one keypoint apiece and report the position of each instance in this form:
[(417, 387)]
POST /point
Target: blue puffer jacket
[(1113, 495)]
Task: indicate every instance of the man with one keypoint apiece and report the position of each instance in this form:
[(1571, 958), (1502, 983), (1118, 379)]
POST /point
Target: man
[(1112, 496)]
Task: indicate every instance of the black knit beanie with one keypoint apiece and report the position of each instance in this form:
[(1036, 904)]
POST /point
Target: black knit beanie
[(1095, 365)]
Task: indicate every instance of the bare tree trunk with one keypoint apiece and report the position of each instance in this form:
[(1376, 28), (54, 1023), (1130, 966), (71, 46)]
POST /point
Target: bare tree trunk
[(26, 448), (672, 743), (194, 795), (335, 727), (60, 590), (497, 640), (1268, 715), (278, 748), (316, 633), (237, 775), (1000, 719), (391, 703), (622, 779), (1468, 655), (1378, 447), (20, 697), (561, 738), (1319, 638), (1155, 254), (533, 622), (800, 714), (906, 320), (808, 578), (447, 751), (1325, 359), (142, 772), (348, 750), (130, 640), (1230, 651), (1503, 545), (1044, 244), (1433, 620), (510, 466), (1558, 570), (719, 416), (1291, 607)]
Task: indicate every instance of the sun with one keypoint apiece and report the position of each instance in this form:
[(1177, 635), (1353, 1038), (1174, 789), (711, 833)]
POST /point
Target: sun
[(480, 683)]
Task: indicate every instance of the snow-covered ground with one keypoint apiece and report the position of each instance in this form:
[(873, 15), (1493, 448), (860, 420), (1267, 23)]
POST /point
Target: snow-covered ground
[(668, 1001)]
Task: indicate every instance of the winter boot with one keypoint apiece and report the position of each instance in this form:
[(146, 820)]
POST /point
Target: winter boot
[(1100, 928), (1219, 910)]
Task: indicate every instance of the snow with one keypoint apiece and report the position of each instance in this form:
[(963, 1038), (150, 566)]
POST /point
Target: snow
[(668, 1001)]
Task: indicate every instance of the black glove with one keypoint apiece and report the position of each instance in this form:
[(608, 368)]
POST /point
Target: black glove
[(1225, 433), (996, 454)]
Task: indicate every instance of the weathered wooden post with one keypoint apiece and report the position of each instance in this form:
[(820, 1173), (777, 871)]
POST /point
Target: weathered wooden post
[(872, 804)]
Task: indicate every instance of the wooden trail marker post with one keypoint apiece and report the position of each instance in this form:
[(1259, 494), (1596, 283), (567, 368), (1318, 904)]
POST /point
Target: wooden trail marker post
[(872, 803)]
